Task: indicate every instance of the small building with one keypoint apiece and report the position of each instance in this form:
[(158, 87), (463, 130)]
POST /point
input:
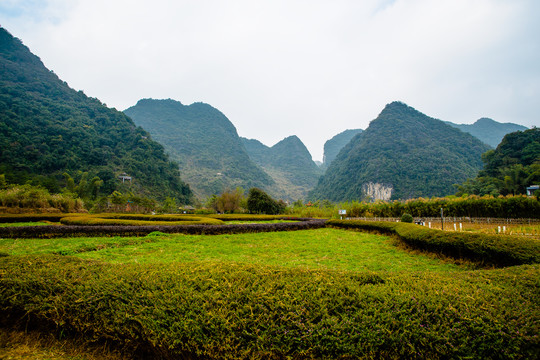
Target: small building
[(125, 177), (531, 189)]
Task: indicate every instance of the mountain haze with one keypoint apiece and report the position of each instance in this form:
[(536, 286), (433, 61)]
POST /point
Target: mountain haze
[(402, 154), (204, 142), (289, 163), (489, 131), (47, 128)]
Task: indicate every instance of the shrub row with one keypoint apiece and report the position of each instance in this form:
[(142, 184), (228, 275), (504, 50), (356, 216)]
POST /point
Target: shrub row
[(255, 217), (126, 230), (495, 250), (518, 206), (137, 220), (242, 311)]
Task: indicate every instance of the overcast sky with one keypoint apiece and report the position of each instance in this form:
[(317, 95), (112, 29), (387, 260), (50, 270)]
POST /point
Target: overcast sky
[(309, 68)]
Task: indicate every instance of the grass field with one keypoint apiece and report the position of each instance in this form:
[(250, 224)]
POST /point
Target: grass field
[(324, 293), (328, 249)]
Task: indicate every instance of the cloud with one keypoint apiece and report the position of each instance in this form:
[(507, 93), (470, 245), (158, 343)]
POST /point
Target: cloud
[(309, 68)]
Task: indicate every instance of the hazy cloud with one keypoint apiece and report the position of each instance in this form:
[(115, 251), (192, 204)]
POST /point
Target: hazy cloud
[(309, 68)]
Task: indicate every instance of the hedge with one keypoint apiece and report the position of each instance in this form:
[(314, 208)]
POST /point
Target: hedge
[(137, 220), (240, 311), (50, 231), (492, 250)]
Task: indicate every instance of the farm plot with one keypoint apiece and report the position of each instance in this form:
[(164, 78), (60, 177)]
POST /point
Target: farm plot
[(324, 293)]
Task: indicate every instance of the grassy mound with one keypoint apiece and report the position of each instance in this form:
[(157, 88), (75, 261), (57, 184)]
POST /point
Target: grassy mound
[(495, 250), (241, 311)]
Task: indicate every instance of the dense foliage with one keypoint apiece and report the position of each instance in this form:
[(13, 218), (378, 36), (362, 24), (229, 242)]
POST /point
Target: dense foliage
[(405, 150), (27, 198), (224, 310), (489, 131), (513, 207), (510, 168), (47, 129), (333, 146), (508, 207), (203, 141), (259, 202), (289, 163)]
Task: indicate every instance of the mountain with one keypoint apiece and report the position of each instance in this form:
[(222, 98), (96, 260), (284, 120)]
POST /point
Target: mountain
[(333, 146), (402, 154), (510, 168), (489, 131), (289, 163), (204, 142), (47, 128)]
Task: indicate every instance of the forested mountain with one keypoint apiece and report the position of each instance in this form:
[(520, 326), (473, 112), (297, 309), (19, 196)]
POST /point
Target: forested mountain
[(47, 128), (489, 131), (402, 154), (510, 168), (333, 146), (204, 142), (289, 163)]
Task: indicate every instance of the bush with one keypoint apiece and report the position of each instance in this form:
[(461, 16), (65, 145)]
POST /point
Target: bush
[(492, 250), (407, 218), (135, 221), (54, 231), (31, 198), (241, 311), (259, 202)]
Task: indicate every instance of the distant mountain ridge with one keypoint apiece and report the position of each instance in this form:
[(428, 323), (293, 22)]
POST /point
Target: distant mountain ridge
[(204, 142), (333, 146), (489, 131), (47, 128), (289, 163), (402, 154)]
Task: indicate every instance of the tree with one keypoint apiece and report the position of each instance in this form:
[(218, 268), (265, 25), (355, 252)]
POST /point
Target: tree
[(260, 202), (229, 201)]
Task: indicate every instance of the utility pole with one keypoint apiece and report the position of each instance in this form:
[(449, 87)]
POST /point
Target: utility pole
[(442, 219)]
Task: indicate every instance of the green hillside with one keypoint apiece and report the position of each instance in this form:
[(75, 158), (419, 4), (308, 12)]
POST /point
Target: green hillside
[(289, 163), (489, 131), (47, 128), (203, 141), (333, 146), (510, 168), (402, 154)]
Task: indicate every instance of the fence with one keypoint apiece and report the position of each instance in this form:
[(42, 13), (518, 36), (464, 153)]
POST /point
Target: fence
[(469, 220)]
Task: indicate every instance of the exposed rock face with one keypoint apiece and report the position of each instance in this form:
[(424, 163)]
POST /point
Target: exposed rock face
[(376, 191)]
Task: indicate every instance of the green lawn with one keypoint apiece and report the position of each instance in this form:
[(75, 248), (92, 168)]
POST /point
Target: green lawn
[(314, 249)]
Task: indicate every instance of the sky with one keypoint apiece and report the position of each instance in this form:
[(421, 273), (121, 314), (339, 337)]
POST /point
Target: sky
[(309, 68)]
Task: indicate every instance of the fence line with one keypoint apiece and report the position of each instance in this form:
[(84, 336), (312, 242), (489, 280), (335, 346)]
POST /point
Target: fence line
[(471, 220)]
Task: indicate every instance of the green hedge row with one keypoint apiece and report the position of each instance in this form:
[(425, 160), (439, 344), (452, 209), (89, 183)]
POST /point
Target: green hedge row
[(519, 206), (254, 217), (240, 311), (496, 250), (54, 231), (137, 220)]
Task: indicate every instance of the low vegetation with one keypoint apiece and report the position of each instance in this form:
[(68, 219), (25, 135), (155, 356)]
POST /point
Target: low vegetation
[(322, 293)]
